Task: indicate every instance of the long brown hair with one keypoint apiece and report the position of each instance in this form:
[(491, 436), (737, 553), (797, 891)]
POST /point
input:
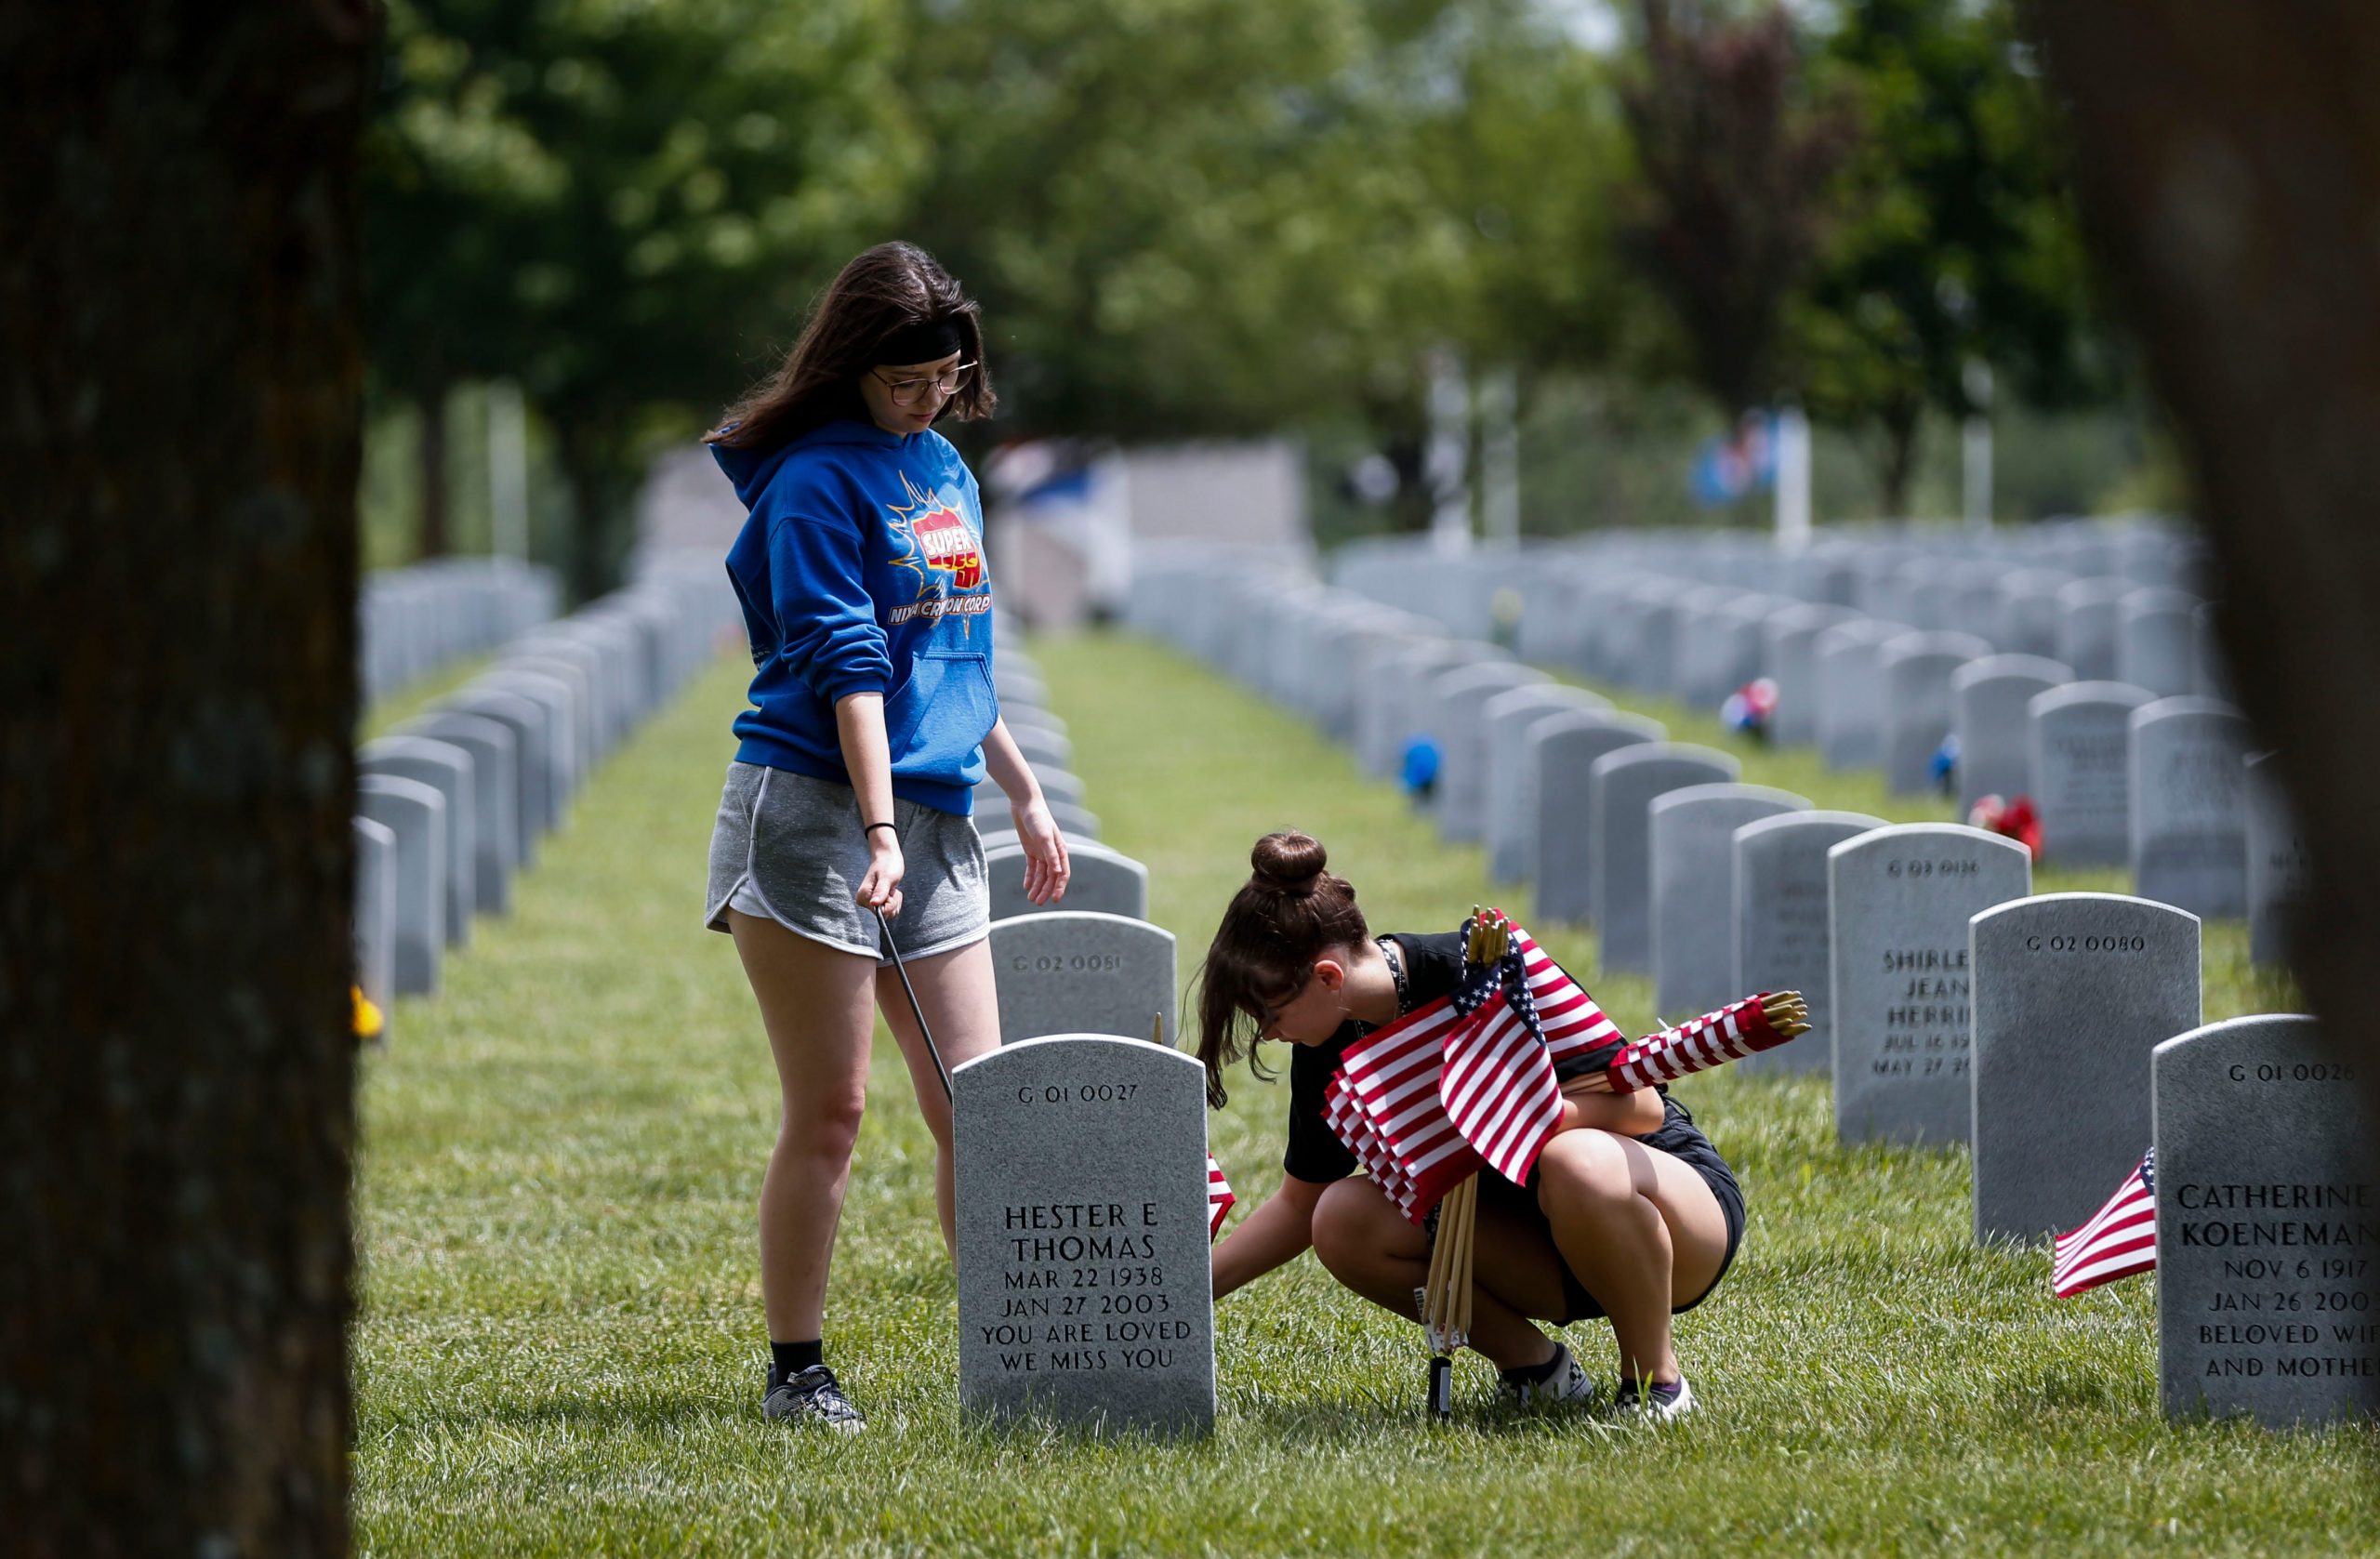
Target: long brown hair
[(1290, 912), (888, 289)]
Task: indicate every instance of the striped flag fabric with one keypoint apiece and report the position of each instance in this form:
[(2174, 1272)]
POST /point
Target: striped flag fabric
[(1733, 1032), (2119, 1239), (1219, 1197), (1465, 1082)]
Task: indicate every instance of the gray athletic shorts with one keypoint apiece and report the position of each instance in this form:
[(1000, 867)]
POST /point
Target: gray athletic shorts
[(790, 849)]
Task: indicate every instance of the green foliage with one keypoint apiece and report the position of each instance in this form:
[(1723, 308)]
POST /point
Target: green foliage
[(558, 1347), (621, 203), (1958, 242)]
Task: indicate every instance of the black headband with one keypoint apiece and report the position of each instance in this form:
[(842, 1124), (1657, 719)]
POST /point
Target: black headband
[(926, 341)]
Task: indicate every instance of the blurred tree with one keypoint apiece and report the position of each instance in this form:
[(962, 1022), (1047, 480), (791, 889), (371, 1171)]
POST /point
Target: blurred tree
[(1957, 243), (1737, 154), (182, 361), (623, 206), (1201, 218)]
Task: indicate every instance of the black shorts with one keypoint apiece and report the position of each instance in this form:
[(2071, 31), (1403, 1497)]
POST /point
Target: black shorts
[(1679, 1140)]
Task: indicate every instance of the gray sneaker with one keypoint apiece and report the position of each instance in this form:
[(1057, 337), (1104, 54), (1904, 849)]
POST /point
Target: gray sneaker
[(814, 1394), (1570, 1382)]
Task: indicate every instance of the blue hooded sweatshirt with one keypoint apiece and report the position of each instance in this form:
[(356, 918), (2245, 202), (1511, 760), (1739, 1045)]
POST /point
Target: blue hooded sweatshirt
[(861, 570)]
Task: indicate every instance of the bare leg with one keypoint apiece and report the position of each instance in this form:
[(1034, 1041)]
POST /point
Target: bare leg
[(955, 990), (1640, 1229), (816, 1004), (1368, 1245)]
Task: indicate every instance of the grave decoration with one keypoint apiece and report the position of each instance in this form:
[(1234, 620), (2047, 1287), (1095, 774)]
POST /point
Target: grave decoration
[(1468, 1082)]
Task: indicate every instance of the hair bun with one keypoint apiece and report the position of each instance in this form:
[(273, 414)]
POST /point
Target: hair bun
[(1288, 861)]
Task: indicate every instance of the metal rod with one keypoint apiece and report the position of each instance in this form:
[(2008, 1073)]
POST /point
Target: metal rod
[(918, 1012)]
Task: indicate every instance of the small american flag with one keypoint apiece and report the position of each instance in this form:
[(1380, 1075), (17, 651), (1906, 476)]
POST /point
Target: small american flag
[(2119, 1239), (1219, 1197)]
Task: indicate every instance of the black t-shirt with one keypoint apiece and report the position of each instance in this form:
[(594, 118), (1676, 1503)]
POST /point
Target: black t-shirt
[(1432, 967)]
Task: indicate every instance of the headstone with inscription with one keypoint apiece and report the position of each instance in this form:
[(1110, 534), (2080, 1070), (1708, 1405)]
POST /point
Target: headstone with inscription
[(1898, 902), (1079, 972), (1084, 1292), (2268, 1226), (1779, 923), (2278, 871), (2079, 739), (1101, 880), (1694, 890), (1563, 752), (2189, 810), (2072, 993), (1620, 789)]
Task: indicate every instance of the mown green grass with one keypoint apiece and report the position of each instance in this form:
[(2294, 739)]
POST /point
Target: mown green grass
[(560, 1349)]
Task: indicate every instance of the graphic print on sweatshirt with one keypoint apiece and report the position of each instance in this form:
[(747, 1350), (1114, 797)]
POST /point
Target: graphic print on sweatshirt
[(944, 555)]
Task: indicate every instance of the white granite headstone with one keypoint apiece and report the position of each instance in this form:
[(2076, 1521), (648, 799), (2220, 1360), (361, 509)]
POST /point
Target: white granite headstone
[(1898, 902), (2268, 1226), (2072, 993)]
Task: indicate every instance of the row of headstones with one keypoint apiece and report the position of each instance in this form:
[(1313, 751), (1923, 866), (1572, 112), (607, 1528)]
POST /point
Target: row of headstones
[(1082, 1274), (2163, 785), (453, 802), (411, 621), (1094, 964), (1717, 887)]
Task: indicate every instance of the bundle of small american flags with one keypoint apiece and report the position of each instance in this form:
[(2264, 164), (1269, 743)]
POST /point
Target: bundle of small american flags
[(1468, 1081), (2119, 1239)]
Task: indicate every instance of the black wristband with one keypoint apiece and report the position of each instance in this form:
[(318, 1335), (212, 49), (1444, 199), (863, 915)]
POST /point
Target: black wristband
[(873, 826)]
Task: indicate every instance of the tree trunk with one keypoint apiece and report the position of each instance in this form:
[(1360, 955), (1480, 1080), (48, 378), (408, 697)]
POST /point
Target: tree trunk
[(2230, 172), (436, 535), (1898, 462), (180, 369)]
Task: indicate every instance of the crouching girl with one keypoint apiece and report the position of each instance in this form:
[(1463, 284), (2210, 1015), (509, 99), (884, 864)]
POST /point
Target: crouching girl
[(1630, 1212)]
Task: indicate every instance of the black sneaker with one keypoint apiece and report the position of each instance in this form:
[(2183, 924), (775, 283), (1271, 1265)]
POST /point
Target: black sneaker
[(814, 1394), (1569, 1382)]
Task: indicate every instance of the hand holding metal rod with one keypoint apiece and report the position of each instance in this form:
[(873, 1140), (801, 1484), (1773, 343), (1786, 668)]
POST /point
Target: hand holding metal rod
[(918, 1012)]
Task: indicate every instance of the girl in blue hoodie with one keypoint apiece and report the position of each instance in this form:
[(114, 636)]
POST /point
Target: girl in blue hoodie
[(862, 575)]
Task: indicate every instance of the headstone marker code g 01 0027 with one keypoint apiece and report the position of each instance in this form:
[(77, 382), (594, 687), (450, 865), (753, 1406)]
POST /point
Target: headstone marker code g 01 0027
[(1898, 902), (1077, 971), (2072, 993), (1779, 921), (2268, 1226), (1080, 1164)]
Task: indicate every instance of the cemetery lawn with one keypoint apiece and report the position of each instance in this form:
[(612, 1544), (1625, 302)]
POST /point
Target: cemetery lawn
[(559, 1348)]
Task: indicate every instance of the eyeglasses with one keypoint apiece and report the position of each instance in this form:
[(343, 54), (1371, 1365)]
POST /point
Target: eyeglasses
[(909, 393)]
